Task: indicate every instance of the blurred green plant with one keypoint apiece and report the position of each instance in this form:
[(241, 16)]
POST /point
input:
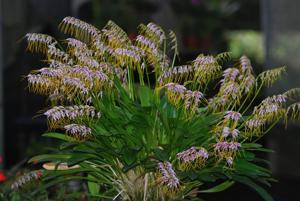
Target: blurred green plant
[(246, 42), (133, 126)]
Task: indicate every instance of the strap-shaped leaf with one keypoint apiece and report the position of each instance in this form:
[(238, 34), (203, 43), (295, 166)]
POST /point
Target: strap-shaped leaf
[(59, 136), (261, 191), (145, 96), (221, 187)]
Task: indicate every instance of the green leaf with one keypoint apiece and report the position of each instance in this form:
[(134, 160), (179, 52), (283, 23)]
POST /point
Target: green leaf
[(251, 145), (129, 156), (161, 154), (59, 136), (261, 191), (94, 188), (256, 147), (145, 96), (50, 157), (246, 168), (221, 187), (61, 179)]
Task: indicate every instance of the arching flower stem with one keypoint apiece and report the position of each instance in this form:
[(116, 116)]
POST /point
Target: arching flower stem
[(254, 97), (271, 126)]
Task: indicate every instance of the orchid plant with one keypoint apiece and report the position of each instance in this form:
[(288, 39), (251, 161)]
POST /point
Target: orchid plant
[(134, 126)]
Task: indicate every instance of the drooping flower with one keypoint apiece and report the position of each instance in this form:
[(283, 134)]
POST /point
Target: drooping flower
[(51, 72), (292, 93), (230, 90), (227, 146), (245, 64), (39, 83), (59, 114), (101, 48), (57, 54), (27, 178), (127, 56), (235, 133), (114, 39), (157, 30), (192, 99), (227, 150), (230, 74), (229, 161), (253, 123), (146, 44), (294, 111), (271, 108), (206, 68), (175, 88), (175, 92), (175, 74), (39, 42), (74, 43), (80, 131), (226, 132), (168, 177), (217, 103), (193, 157), (88, 61), (117, 30), (254, 127), (281, 98), (271, 76), (72, 83), (57, 64), (78, 28), (232, 115), (247, 82)]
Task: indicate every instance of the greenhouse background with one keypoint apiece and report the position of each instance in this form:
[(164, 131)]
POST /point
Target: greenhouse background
[(267, 31)]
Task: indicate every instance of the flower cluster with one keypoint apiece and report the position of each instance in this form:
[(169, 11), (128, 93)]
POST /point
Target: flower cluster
[(227, 146), (57, 54), (206, 68), (127, 56), (72, 84), (157, 32), (177, 74), (26, 179), (232, 115), (77, 27), (226, 132), (193, 157), (247, 83), (39, 84), (60, 114), (271, 109), (245, 64), (271, 76), (227, 150), (192, 100), (146, 44), (230, 74), (39, 42), (227, 136), (101, 49), (168, 177), (80, 131), (176, 93)]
